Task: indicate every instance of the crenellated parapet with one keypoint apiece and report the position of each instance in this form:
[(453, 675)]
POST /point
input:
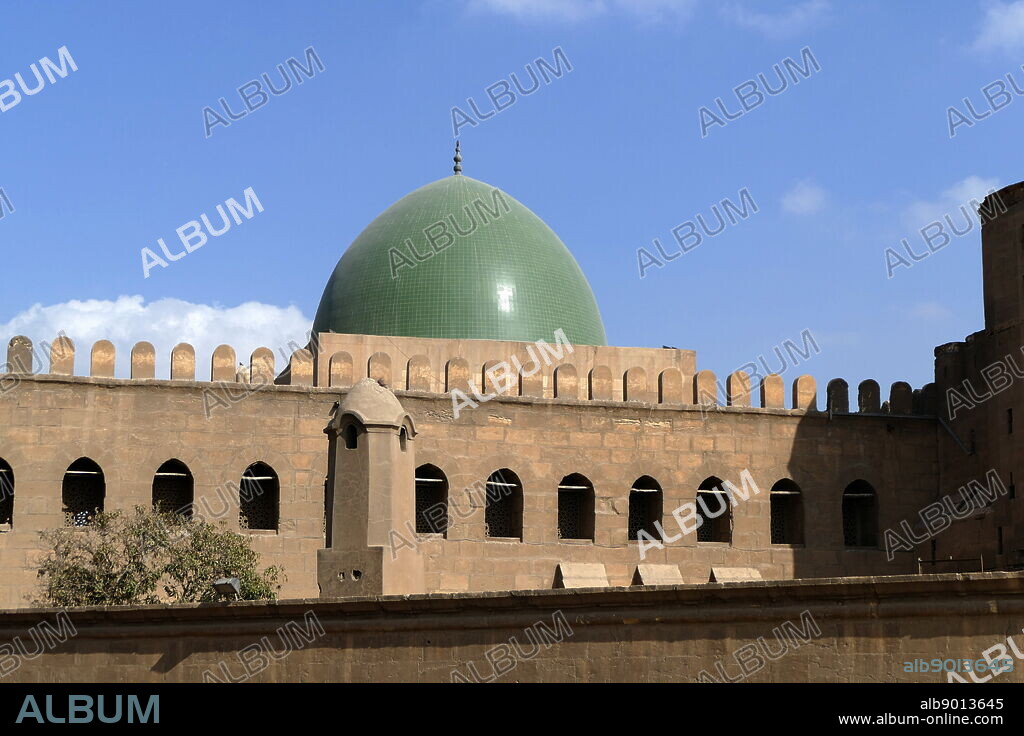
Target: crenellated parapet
[(59, 356), (903, 400), (586, 373)]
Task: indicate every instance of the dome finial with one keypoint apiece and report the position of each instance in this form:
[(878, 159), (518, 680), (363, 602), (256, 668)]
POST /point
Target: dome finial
[(458, 159)]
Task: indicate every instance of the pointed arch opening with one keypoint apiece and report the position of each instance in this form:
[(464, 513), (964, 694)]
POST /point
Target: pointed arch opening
[(860, 515), (576, 507), (645, 507), (503, 512), (259, 498), (173, 489), (351, 436), (714, 509), (431, 500), (787, 513), (82, 492)]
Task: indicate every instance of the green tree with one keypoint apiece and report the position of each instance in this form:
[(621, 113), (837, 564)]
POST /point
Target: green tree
[(125, 558)]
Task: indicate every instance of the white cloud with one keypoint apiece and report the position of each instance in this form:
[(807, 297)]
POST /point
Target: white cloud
[(972, 189), (805, 198), (1002, 28), (572, 11), (789, 22), (165, 322)]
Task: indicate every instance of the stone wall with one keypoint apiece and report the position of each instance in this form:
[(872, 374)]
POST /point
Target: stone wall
[(832, 630), (131, 427), (614, 445)]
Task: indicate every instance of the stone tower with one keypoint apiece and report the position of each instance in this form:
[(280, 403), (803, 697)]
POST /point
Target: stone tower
[(1002, 252), (980, 387), (370, 496)]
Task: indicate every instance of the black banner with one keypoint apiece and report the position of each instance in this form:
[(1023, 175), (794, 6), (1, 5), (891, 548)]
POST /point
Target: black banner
[(343, 705)]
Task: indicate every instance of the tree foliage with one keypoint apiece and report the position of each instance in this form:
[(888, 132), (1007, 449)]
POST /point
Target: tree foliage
[(145, 556)]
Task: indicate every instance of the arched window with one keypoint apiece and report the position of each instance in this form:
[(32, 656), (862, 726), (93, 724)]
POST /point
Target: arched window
[(173, 489), (351, 435), (403, 439), (860, 515), (787, 511), (258, 496), (6, 496), (714, 509), (82, 492), (503, 513), (431, 500), (575, 508), (645, 501)]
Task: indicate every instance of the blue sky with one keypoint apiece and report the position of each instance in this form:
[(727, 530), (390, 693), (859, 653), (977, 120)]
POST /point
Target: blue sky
[(103, 162)]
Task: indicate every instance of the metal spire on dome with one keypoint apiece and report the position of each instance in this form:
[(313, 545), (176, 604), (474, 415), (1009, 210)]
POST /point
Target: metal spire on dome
[(458, 160)]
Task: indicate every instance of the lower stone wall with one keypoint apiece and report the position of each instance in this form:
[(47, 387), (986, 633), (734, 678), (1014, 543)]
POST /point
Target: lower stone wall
[(835, 630)]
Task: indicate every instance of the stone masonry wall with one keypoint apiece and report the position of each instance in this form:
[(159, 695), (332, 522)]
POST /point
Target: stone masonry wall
[(829, 630), (130, 427)]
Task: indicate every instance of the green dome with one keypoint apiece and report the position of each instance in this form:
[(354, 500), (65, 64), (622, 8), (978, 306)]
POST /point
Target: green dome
[(460, 259)]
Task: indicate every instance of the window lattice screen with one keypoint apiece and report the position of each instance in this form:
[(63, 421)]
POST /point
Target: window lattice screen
[(258, 501), (430, 496), (173, 493), (502, 516), (859, 521), (82, 496), (570, 515), (714, 529), (643, 512), (780, 524), (704, 531)]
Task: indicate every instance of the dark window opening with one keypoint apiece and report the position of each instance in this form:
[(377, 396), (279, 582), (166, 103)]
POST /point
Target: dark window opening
[(82, 492), (403, 438), (714, 510), (575, 508), (1009, 421), (173, 488), (860, 515), (259, 496), (503, 514), (6, 496), (999, 540), (351, 435), (645, 507), (1012, 489), (787, 513), (431, 500)]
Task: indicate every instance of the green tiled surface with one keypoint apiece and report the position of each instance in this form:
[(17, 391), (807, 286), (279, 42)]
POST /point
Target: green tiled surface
[(509, 279)]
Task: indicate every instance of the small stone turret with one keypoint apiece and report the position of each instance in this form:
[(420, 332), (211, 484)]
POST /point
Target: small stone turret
[(1002, 222), (370, 496)]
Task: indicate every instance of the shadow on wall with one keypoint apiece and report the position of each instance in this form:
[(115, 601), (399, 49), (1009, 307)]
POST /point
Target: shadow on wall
[(852, 474)]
